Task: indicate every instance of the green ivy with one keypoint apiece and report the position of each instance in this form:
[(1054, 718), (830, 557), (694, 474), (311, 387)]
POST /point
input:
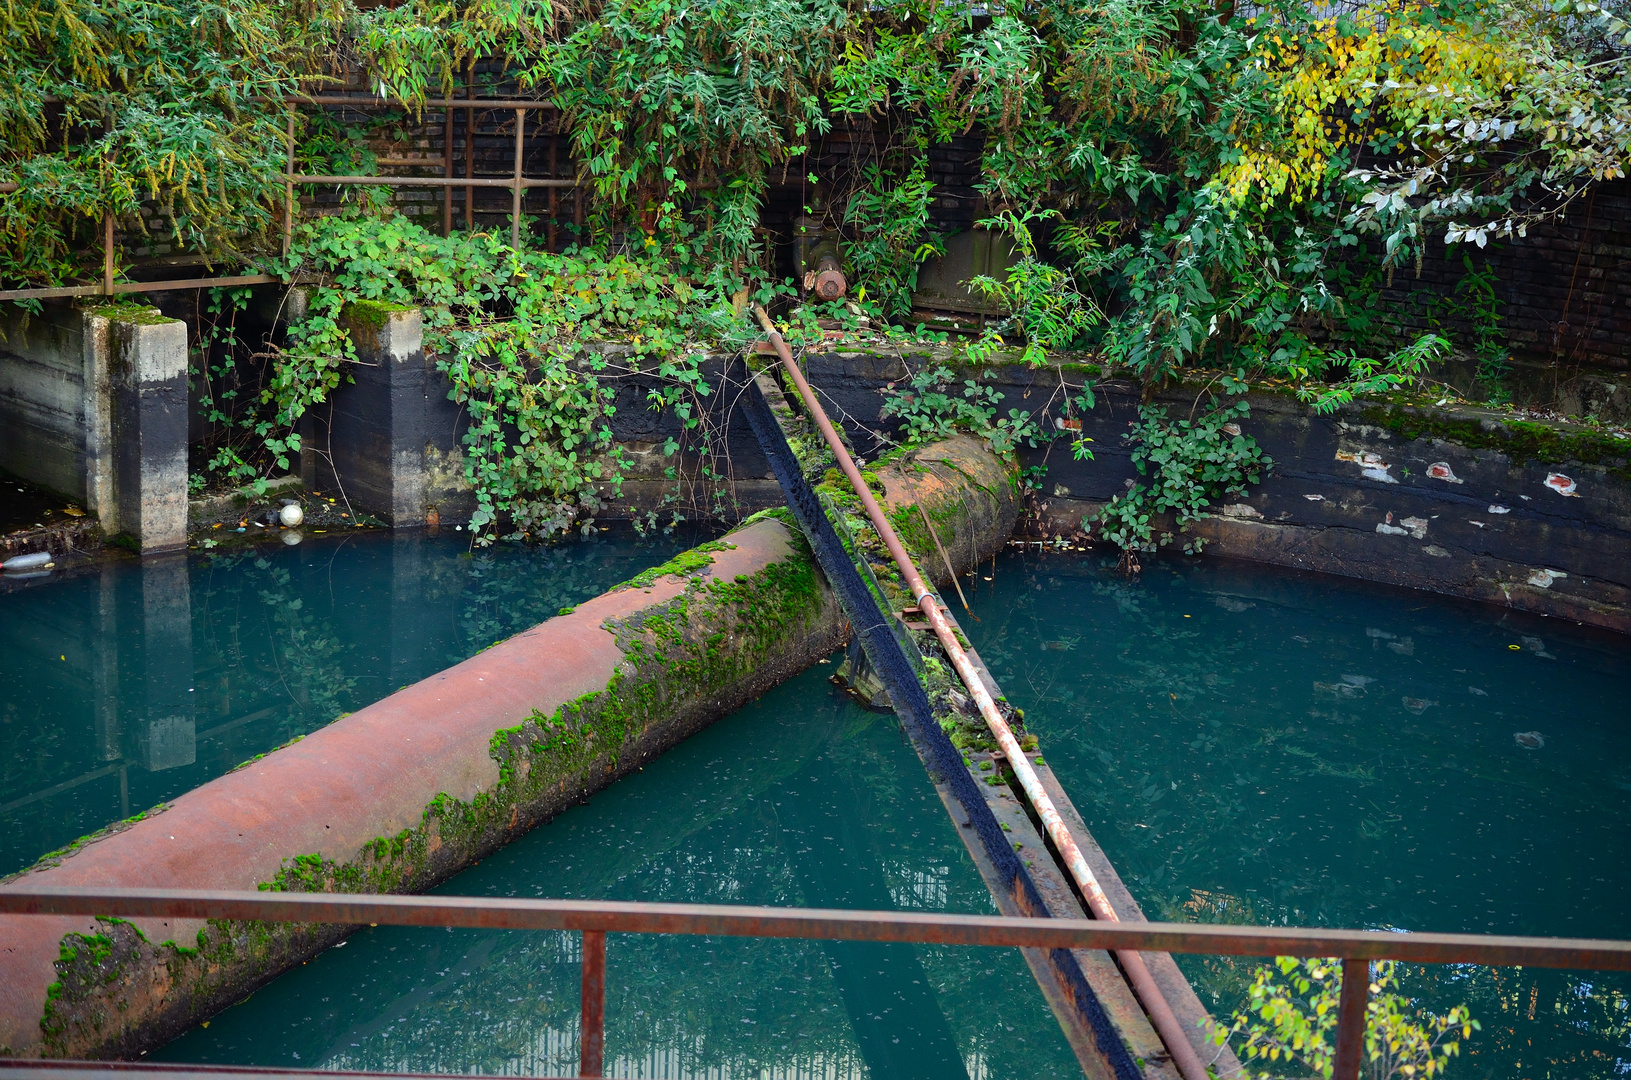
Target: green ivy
[(520, 336), (1190, 464), (933, 405)]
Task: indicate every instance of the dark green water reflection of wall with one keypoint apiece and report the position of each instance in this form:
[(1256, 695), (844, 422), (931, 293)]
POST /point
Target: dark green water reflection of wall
[(125, 688), (1262, 746), (799, 799)]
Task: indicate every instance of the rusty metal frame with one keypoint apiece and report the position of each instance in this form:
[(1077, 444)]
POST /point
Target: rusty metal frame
[(516, 182), (596, 918)]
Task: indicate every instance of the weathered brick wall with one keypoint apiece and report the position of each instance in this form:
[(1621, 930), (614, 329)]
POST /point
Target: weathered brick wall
[(1564, 292)]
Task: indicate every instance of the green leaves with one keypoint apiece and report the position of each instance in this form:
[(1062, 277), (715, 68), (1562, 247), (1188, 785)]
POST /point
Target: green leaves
[(1191, 464), (520, 336), (1291, 1022)]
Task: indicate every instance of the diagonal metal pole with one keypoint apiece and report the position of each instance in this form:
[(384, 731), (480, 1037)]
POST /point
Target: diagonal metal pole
[(1156, 1006)]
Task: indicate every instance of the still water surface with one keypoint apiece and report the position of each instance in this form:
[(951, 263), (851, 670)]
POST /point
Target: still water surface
[(800, 799), (129, 686), (1248, 745), (1265, 746)]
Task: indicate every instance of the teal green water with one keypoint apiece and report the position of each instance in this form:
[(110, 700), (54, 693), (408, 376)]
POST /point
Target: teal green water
[(800, 799), (1264, 746), (122, 688)]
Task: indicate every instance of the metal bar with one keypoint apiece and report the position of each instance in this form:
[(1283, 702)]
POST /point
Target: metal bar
[(288, 190), (43, 294), (107, 254), (592, 1027), (515, 200), (60, 1069), (447, 171), (437, 181), (365, 101), (554, 141), (470, 148), (839, 925), (122, 287), (1149, 994), (54, 789), (1350, 1049)]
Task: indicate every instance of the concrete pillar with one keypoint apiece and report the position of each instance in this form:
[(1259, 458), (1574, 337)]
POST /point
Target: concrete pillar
[(147, 374), (93, 406), (376, 426)]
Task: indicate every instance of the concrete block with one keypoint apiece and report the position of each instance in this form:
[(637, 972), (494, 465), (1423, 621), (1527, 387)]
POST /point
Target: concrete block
[(147, 376), (375, 432)]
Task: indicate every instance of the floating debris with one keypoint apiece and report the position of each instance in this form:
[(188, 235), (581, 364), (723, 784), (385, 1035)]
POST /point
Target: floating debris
[(1440, 470), (1497, 508), (1231, 605), (1480, 693), (1315, 498), (1417, 705), (1358, 680), (1539, 647), (1530, 740), (1404, 646), (1372, 632)]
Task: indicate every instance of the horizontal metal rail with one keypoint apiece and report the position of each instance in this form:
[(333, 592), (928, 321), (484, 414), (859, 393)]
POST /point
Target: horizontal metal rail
[(367, 102), (596, 918), (436, 181), (909, 926), (59, 1069), (515, 183), (120, 288)]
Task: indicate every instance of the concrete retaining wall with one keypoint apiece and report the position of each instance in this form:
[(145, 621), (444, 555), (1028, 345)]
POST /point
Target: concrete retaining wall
[(1455, 500)]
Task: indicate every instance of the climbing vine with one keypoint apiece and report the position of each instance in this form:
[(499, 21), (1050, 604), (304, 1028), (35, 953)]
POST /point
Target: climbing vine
[(520, 336), (1191, 464)]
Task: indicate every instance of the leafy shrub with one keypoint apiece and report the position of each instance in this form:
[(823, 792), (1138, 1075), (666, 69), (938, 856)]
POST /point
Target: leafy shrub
[(1291, 1023), (1191, 465)]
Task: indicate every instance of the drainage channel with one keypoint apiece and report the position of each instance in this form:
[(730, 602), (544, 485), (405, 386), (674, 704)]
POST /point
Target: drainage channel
[(1127, 1016)]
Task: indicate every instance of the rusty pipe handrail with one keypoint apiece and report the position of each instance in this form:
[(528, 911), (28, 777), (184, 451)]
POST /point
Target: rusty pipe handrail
[(595, 918), (921, 927), (1149, 994)]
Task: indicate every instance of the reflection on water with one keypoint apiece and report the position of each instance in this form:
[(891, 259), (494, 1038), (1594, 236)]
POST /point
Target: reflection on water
[(799, 799), (124, 688), (1263, 746)]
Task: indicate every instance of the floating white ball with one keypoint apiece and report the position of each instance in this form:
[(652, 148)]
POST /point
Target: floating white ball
[(291, 514)]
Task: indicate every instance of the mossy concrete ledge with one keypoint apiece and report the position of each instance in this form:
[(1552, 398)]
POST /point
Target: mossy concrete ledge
[(409, 790)]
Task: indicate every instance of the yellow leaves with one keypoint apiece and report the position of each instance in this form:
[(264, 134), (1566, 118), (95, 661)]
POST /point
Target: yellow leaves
[(1336, 83)]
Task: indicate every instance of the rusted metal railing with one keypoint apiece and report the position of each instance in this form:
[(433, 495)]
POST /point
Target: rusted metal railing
[(596, 918), (516, 182)]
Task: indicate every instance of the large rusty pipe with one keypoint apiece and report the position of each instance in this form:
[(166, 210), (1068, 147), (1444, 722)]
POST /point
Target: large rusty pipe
[(1155, 1004)]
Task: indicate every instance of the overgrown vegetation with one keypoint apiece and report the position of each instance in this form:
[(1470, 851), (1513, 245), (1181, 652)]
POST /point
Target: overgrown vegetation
[(1179, 186), (1191, 464)]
